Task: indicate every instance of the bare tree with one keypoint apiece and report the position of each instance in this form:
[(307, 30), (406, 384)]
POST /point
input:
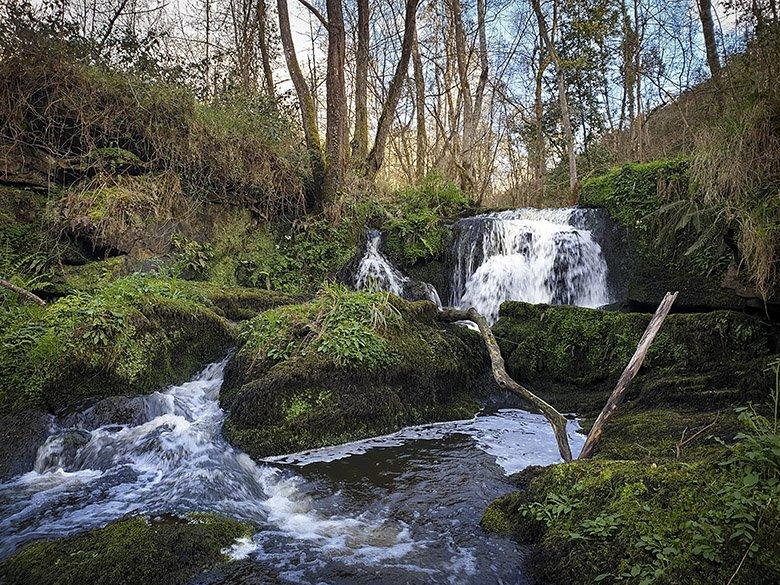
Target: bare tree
[(360, 139), (708, 29), (377, 154), (306, 104)]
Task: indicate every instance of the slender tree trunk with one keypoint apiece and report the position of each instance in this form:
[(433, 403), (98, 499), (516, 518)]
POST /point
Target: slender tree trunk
[(708, 29), (306, 103), (265, 53), (419, 90), (540, 165), (377, 154), (562, 98), (360, 139), (336, 103)]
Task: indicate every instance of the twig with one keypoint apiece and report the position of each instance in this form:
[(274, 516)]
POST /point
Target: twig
[(556, 419), (22, 292)]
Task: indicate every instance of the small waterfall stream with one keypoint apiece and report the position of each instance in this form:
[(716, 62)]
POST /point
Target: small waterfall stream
[(397, 509), (533, 255)]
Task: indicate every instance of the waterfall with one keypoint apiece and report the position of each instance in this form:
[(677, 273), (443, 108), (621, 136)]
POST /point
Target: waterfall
[(376, 272), (532, 255)]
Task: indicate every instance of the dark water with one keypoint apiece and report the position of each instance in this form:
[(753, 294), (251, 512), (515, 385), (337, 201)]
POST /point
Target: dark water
[(404, 508)]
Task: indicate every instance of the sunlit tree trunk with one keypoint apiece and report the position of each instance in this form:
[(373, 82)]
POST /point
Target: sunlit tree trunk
[(708, 29), (377, 154), (336, 103), (360, 139), (306, 103)]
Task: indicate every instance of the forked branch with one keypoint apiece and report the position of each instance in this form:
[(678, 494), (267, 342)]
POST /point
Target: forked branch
[(556, 419)]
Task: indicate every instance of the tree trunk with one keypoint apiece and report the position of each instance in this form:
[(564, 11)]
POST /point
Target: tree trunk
[(556, 419), (419, 89), (360, 139), (336, 103), (306, 102), (471, 122), (265, 53), (562, 98), (22, 292), (628, 375), (377, 154), (708, 29)]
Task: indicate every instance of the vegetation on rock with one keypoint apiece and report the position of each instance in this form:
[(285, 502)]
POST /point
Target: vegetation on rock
[(136, 551), (346, 366)]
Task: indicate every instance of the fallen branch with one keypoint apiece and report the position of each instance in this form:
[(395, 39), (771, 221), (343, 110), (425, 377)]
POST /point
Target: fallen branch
[(22, 292), (628, 375), (556, 419)]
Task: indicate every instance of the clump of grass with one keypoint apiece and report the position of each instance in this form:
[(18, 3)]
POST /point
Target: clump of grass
[(340, 325)]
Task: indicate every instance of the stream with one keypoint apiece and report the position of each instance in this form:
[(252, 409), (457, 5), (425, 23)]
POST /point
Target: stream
[(403, 508)]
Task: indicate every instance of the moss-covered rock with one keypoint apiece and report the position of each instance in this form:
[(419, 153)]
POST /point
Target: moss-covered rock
[(133, 336), (137, 551), (347, 366), (640, 522), (573, 356), (689, 259)]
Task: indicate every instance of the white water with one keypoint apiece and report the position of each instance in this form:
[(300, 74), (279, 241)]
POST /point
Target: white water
[(174, 460), (376, 272), (532, 255)]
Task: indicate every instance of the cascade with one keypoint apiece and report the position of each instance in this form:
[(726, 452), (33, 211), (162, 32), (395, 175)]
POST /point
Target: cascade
[(376, 272), (532, 255)]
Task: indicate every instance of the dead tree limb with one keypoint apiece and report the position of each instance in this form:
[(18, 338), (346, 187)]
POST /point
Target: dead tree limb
[(22, 292), (628, 375), (556, 419)]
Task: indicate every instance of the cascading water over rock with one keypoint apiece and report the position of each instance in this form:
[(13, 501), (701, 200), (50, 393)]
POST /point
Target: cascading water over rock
[(376, 272), (532, 255)]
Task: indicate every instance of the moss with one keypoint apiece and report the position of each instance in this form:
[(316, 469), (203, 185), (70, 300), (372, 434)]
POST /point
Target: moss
[(347, 366), (573, 356), (495, 518), (133, 336), (137, 551), (687, 259), (607, 517)]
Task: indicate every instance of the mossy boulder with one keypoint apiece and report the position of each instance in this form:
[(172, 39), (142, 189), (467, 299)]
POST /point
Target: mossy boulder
[(133, 336), (136, 551), (346, 366), (670, 240), (641, 522), (573, 356)]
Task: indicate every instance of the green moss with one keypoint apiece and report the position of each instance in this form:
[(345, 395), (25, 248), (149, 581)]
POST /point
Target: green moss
[(137, 551), (346, 366), (674, 243), (495, 519), (133, 336), (573, 356)]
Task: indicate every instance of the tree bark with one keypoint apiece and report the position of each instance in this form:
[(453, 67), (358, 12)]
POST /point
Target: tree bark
[(22, 292), (360, 139), (562, 99), (556, 419), (419, 89), (708, 29), (628, 375), (377, 155), (306, 102), (336, 103), (265, 53)]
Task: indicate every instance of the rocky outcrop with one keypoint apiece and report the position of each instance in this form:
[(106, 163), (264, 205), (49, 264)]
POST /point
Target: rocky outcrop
[(347, 366), (573, 356)]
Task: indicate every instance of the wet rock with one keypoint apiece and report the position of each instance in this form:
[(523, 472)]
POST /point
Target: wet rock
[(21, 434), (114, 410)]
